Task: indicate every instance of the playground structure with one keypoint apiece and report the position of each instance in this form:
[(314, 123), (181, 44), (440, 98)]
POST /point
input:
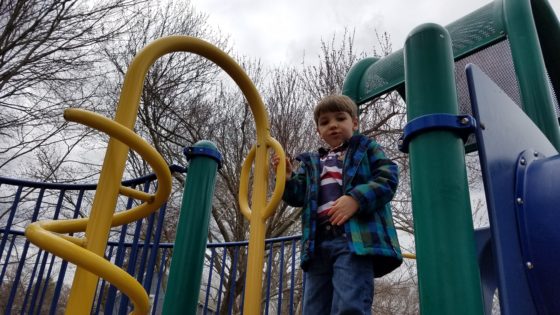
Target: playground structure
[(514, 42), (87, 252)]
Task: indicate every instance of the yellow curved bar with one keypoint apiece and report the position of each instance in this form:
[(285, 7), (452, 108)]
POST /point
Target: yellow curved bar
[(409, 255), (244, 183), (136, 194), (39, 234), (280, 178), (71, 248)]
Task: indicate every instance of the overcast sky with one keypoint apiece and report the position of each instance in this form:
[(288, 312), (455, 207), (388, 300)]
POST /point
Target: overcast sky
[(283, 31)]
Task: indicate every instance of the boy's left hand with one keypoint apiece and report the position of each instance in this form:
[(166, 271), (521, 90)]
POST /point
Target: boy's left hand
[(343, 209)]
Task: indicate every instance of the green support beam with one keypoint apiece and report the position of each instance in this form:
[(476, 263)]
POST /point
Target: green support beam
[(530, 67), (185, 273), (448, 275)]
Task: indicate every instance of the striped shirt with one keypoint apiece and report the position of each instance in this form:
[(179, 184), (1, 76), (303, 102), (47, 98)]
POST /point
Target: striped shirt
[(331, 183)]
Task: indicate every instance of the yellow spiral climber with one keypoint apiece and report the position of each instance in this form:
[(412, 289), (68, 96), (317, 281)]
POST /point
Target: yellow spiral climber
[(87, 253)]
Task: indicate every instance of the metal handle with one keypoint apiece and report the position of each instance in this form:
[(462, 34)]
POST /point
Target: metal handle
[(280, 180)]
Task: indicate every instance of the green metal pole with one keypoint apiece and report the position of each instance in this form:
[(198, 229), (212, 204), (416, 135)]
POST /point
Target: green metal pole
[(530, 67), (185, 273), (355, 77), (448, 275)]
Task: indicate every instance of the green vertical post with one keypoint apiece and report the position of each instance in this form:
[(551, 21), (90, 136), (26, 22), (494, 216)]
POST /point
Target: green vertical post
[(448, 275), (530, 67), (185, 273)]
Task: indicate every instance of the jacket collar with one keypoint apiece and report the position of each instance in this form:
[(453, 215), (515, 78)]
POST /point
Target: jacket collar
[(354, 143), (342, 147)]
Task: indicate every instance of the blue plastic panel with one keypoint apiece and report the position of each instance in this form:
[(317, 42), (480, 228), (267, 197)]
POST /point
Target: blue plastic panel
[(538, 210), (504, 131)]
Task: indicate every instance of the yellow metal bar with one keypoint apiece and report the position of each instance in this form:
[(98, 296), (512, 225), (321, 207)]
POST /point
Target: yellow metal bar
[(136, 194), (70, 226), (255, 258), (280, 178), (244, 183), (76, 240), (409, 255), (258, 216), (42, 237)]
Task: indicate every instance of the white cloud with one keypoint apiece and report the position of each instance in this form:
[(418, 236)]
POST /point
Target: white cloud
[(281, 31)]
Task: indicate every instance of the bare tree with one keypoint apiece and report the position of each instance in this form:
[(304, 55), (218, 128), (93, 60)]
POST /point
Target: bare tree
[(175, 111), (336, 57), (47, 59)]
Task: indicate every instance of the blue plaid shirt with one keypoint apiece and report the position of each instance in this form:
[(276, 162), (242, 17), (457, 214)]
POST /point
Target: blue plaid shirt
[(371, 179)]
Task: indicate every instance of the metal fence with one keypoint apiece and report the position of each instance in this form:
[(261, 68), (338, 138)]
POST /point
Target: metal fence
[(33, 281)]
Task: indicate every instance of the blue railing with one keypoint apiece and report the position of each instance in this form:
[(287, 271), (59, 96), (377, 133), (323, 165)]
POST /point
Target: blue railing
[(33, 281)]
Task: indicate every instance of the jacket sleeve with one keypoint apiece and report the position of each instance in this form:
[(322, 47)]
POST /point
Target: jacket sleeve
[(381, 183), (295, 189)]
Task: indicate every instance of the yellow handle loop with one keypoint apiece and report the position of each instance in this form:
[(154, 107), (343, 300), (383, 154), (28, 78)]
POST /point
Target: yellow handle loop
[(71, 249), (278, 188), (280, 178)]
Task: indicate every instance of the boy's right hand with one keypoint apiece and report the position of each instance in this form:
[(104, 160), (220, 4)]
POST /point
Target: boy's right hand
[(275, 160)]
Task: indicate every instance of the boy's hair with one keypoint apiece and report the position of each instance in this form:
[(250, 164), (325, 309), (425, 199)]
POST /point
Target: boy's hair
[(335, 103)]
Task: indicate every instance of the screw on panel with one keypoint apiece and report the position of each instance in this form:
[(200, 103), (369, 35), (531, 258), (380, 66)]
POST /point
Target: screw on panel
[(522, 161), (519, 201), (535, 154), (464, 120), (529, 265)]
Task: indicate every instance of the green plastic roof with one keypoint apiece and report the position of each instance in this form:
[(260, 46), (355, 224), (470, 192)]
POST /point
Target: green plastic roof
[(371, 77)]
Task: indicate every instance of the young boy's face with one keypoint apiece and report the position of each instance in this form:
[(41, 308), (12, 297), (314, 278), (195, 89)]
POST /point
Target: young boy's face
[(336, 127)]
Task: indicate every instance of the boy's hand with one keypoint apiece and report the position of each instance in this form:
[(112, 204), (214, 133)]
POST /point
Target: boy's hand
[(343, 209), (275, 160)]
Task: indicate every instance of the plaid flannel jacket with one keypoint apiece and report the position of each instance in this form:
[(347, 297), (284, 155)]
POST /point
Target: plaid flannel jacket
[(371, 179)]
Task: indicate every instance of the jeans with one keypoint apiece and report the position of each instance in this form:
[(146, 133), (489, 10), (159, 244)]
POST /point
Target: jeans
[(338, 281)]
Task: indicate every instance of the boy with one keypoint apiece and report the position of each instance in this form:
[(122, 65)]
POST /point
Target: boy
[(348, 232)]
